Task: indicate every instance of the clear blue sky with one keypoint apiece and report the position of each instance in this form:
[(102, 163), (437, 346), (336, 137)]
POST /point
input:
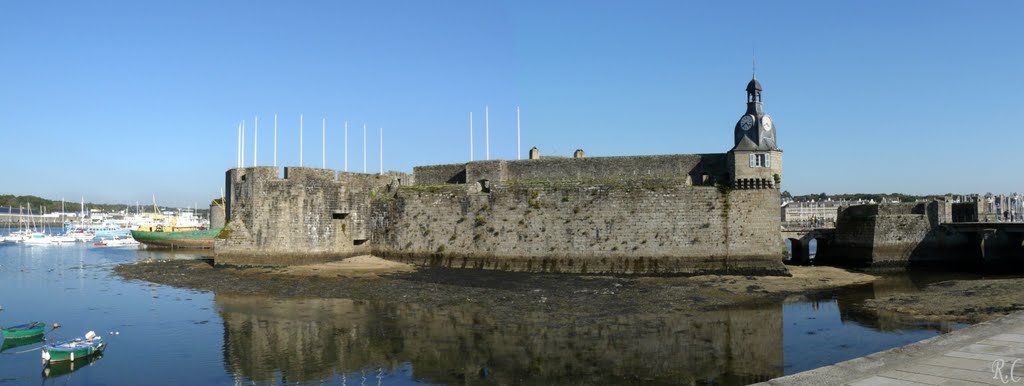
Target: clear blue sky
[(118, 100)]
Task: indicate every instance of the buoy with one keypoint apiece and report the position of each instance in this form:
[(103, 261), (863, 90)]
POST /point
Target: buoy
[(56, 326)]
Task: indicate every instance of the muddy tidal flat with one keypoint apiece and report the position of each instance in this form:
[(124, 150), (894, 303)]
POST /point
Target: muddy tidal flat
[(509, 293), (968, 301), (373, 318)]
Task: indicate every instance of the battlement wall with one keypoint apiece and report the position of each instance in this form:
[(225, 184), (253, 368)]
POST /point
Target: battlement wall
[(631, 226), (697, 167), (440, 174), (308, 215), (894, 235)]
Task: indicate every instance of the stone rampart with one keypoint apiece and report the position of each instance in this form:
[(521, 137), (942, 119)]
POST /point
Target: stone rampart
[(619, 215), (696, 168), (894, 235), (309, 215), (625, 226), (440, 174)]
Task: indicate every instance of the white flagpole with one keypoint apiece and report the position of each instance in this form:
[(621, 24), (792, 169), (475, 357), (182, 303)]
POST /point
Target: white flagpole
[(471, 136), (275, 140), (243, 143), (300, 140), (364, 147), (487, 131), (323, 144), (346, 146), (255, 141), (382, 151), (519, 145)]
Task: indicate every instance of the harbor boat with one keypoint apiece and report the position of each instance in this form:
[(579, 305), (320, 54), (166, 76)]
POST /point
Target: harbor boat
[(78, 348), (117, 241), (24, 331), (45, 239), (81, 235), (16, 236), (166, 238)]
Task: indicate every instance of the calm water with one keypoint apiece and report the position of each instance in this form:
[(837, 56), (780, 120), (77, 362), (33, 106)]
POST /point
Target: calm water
[(175, 337)]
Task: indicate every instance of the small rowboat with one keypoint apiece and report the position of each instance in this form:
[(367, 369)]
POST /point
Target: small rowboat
[(77, 348), (24, 331)]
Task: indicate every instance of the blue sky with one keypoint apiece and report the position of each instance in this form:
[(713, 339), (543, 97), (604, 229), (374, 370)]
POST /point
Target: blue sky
[(119, 100)]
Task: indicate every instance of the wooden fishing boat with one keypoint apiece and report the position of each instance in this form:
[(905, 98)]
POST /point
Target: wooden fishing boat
[(77, 348), (175, 238), (24, 331)]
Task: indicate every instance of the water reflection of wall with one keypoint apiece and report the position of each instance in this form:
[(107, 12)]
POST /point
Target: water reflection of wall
[(315, 339)]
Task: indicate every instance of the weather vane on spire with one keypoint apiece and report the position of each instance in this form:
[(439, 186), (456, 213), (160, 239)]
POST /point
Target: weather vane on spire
[(753, 62)]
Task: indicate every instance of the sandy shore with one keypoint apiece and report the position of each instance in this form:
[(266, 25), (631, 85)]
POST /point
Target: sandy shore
[(357, 266)]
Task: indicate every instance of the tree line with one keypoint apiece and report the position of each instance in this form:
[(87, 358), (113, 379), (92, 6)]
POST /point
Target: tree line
[(877, 197), (37, 203)]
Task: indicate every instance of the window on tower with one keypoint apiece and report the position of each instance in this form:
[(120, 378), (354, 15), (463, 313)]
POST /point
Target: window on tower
[(760, 161)]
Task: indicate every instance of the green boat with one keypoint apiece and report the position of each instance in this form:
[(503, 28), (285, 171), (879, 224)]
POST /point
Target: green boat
[(77, 348), (24, 331), (196, 239)]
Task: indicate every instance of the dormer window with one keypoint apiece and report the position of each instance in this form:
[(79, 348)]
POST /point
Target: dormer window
[(760, 161)]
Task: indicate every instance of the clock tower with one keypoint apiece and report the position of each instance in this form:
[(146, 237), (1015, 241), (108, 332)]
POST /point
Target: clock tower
[(755, 161)]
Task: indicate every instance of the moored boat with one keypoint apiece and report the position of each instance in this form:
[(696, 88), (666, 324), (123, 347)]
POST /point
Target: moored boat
[(117, 241), (77, 348), (24, 331), (195, 239)]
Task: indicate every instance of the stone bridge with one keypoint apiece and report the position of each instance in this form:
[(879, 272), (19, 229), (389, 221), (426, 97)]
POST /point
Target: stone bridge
[(991, 241), (800, 241), (969, 243)]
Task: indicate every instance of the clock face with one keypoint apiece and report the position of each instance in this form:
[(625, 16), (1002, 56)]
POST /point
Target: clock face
[(746, 122), (766, 123)]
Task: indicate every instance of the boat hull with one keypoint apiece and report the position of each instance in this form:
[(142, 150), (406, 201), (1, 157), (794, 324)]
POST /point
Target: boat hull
[(25, 331), (186, 240), (51, 354)]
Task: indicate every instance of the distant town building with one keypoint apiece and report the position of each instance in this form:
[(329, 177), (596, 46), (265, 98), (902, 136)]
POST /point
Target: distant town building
[(988, 208), (817, 214)]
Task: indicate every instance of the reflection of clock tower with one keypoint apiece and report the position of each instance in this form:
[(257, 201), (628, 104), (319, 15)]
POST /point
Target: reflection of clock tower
[(755, 161)]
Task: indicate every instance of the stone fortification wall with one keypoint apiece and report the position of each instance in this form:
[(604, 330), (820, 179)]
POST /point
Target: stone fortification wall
[(675, 165), (692, 166), (309, 215), (217, 218), (627, 226), (440, 174), (895, 235)]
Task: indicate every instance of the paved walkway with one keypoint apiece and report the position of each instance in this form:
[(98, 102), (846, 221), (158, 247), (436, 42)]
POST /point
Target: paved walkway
[(982, 354)]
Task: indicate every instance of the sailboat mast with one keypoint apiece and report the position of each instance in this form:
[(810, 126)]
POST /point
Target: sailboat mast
[(256, 141), (323, 144), (300, 140), (275, 141)]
